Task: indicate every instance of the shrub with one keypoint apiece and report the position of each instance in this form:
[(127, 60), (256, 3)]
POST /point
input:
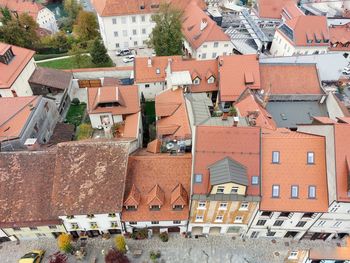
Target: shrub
[(84, 131), (164, 236), (232, 111), (75, 101), (120, 243), (154, 255), (58, 258), (114, 256), (140, 234), (64, 243)]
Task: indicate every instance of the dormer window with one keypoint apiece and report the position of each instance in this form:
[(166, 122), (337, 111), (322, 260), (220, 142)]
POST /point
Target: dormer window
[(154, 207), (7, 56), (178, 207), (131, 208), (196, 81), (90, 216), (158, 71), (211, 80)]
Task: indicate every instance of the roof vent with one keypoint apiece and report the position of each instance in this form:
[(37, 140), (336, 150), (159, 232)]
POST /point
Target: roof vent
[(149, 62), (204, 24)]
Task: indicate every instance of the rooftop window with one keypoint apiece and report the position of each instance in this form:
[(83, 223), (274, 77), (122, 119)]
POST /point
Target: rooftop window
[(198, 178), (7, 57), (275, 157)]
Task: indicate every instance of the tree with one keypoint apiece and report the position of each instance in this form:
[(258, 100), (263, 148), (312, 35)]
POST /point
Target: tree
[(20, 31), (114, 256), (166, 36), (79, 59), (86, 27), (120, 243), (99, 54), (72, 8), (5, 15), (64, 242)]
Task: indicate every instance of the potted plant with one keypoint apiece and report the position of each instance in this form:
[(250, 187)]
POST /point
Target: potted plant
[(164, 236)]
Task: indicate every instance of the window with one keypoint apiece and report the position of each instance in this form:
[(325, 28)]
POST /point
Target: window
[(238, 219), (293, 255), (93, 225), (14, 93), (196, 81), (312, 192), (154, 208), (216, 44), (254, 234), (275, 157), (224, 54), (131, 208), (321, 223), (74, 226), (278, 222), (310, 158), (157, 71), (144, 31), (270, 234), (198, 178), (337, 224), (301, 224), (223, 206), (114, 224), (125, 33), (276, 191), (199, 218), (205, 46), (284, 214), (133, 19), (135, 43), (117, 45), (226, 45), (176, 222), (211, 80), (123, 20), (114, 21), (255, 180), (143, 18), (146, 85), (53, 227), (204, 55), (201, 205), (219, 219), (214, 55), (134, 32), (244, 206), (132, 223), (177, 207), (90, 216), (261, 222), (220, 189), (234, 190), (155, 222), (16, 229), (33, 228), (111, 215), (308, 215), (70, 217), (266, 213), (115, 33), (294, 191)]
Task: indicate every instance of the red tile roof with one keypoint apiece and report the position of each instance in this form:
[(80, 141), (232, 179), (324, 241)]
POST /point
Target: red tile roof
[(154, 146), (271, 8), (293, 170), (126, 96), (340, 37), (194, 30), (30, 7), (156, 196), (167, 172), (291, 10), (133, 198), (177, 124), (10, 72), (290, 79), (214, 143), (131, 124), (308, 27), (179, 196), (237, 72), (14, 115)]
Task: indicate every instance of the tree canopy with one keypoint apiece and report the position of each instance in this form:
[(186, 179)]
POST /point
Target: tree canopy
[(99, 54), (166, 36), (86, 27)]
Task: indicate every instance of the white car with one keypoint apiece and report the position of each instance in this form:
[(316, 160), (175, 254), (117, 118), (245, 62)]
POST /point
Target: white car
[(346, 72), (128, 59)]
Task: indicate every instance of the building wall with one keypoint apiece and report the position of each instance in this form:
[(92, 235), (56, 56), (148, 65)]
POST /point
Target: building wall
[(104, 222), (126, 32), (21, 85), (163, 225), (96, 119), (282, 47), (24, 233), (46, 19), (152, 90), (333, 107), (212, 210), (212, 52), (228, 187), (289, 224)]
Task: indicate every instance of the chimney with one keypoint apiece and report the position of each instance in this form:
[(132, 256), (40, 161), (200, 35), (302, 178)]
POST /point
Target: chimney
[(204, 24), (235, 121), (258, 55), (149, 62)]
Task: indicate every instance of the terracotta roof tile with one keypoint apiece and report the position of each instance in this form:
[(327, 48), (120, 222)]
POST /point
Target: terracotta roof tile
[(10, 72), (179, 196), (293, 170), (271, 8), (213, 143), (155, 196), (14, 115), (131, 125), (233, 72), (176, 125), (167, 172), (133, 198), (52, 78), (24, 6), (194, 32), (154, 146), (290, 79), (291, 10), (339, 37)]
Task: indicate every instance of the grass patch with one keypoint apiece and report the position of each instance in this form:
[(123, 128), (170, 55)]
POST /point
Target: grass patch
[(75, 114), (38, 57), (84, 131)]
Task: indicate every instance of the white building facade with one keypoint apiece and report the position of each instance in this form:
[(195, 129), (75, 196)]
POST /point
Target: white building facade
[(208, 50), (46, 19)]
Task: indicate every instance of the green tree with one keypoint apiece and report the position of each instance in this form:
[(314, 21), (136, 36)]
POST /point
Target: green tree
[(86, 27), (5, 15), (166, 36), (120, 243), (72, 8), (99, 54), (20, 31), (79, 59)]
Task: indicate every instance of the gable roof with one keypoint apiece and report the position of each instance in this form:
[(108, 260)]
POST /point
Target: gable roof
[(179, 196), (339, 37), (237, 72), (89, 177), (213, 144), (15, 113), (155, 196), (133, 198), (52, 78), (271, 8), (10, 72), (30, 7), (227, 170), (166, 171), (198, 27), (290, 78), (293, 148)]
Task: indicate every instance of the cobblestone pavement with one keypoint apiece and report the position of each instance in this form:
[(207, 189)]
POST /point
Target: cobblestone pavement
[(177, 250)]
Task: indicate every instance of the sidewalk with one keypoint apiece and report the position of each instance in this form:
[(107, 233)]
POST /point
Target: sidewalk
[(58, 58), (178, 250)]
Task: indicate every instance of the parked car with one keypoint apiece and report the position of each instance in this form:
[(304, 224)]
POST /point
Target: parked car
[(128, 59), (123, 52), (35, 256), (346, 72)]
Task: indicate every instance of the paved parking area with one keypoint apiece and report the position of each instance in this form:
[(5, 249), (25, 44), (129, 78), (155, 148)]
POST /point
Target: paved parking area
[(178, 249), (141, 52)]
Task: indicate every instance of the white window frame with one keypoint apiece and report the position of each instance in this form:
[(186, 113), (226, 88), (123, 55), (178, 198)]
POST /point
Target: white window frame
[(221, 188), (202, 205), (223, 206), (244, 206), (275, 187), (219, 218), (238, 219), (310, 158), (199, 218), (236, 190)]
